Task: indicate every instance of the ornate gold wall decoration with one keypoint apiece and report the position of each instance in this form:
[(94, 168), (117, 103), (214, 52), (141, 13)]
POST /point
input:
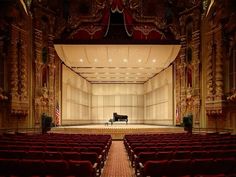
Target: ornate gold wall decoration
[(19, 102), (44, 64), (188, 99), (215, 100)]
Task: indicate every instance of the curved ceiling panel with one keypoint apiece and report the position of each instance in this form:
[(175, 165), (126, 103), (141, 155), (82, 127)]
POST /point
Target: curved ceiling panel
[(117, 63)]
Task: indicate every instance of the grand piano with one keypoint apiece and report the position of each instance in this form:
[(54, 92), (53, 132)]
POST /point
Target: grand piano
[(117, 118)]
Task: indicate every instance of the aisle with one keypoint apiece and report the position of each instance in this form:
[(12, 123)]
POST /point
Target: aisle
[(117, 164)]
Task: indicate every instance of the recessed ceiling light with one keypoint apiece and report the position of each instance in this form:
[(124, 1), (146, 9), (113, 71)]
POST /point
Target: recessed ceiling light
[(141, 68), (127, 73), (117, 67), (81, 60), (126, 77), (125, 60), (110, 60), (95, 60), (154, 60), (138, 73), (139, 60)]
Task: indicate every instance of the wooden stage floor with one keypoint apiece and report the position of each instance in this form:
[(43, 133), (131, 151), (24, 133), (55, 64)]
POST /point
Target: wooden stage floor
[(117, 130)]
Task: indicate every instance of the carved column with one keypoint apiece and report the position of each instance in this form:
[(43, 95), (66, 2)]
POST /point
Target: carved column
[(215, 102), (38, 66), (209, 70), (19, 103), (13, 65), (196, 75), (23, 90), (219, 67), (51, 75), (182, 66)]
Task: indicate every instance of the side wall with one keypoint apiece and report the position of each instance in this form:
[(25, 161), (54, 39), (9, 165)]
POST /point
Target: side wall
[(76, 98), (158, 99)]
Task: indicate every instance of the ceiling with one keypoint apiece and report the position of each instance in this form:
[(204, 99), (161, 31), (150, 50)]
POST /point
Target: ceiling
[(110, 63)]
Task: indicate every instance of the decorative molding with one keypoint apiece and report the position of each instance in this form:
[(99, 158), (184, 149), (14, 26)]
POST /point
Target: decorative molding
[(19, 102)]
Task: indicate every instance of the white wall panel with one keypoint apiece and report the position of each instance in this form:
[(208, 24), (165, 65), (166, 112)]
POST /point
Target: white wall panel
[(76, 97), (124, 99), (158, 99)]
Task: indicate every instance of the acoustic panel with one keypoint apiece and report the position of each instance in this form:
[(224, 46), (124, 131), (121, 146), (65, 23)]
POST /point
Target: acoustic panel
[(159, 98)]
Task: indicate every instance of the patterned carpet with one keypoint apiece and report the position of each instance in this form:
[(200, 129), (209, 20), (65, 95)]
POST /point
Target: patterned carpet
[(117, 164)]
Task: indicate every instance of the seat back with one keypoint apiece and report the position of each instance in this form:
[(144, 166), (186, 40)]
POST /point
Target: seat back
[(81, 168), (155, 168)]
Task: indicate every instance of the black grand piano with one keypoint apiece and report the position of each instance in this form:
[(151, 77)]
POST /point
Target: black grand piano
[(118, 118)]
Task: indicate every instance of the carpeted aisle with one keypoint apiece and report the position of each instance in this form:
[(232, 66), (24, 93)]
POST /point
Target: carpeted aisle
[(117, 164)]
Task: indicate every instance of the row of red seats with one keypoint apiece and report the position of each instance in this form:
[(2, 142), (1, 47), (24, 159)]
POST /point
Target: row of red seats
[(183, 147), (178, 137), (93, 157), (60, 140), (48, 168), (52, 135), (132, 152), (54, 148), (189, 168), (143, 148), (143, 157), (88, 148), (180, 143)]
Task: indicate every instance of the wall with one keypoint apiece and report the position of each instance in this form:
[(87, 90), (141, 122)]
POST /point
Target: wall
[(124, 99), (158, 99), (85, 103), (76, 98)]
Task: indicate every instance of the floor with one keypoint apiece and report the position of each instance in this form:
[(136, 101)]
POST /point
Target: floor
[(117, 164)]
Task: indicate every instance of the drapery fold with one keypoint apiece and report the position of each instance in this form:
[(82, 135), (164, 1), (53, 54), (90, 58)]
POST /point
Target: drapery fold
[(133, 28)]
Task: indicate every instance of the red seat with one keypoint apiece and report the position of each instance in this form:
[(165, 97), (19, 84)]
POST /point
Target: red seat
[(35, 155), (32, 167), (81, 168), (53, 155), (165, 155), (182, 155), (226, 165), (203, 166), (9, 167), (155, 168), (199, 155), (71, 156), (180, 167), (56, 167)]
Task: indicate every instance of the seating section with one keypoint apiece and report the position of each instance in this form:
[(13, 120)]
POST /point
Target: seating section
[(71, 155), (205, 155)]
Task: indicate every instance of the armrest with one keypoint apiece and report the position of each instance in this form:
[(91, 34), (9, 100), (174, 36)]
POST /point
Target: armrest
[(95, 169), (131, 151), (100, 157), (141, 169), (103, 152), (141, 165), (95, 166)]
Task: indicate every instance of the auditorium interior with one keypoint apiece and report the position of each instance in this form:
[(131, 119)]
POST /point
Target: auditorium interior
[(137, 88)]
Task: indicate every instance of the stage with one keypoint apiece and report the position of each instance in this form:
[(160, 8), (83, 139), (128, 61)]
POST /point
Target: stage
[(117, 130)]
